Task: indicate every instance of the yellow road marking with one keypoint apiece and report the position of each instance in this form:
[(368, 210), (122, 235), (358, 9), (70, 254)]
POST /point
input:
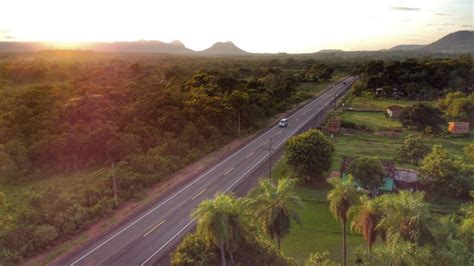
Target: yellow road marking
[(197, 195), (154, 228), (250, 154)]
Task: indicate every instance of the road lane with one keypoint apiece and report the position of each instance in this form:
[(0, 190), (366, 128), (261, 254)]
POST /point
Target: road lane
[(127, 245)]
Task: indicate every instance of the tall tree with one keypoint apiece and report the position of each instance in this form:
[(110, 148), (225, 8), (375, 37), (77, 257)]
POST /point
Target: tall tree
[(366, 217), (310, 153), (369, 171), (218, 222), (406, 217), (413, 149), (439, 172), (422, 117), (275, 206), (341, 198)]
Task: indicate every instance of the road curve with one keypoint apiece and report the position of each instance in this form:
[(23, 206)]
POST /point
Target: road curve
[(149, 237)]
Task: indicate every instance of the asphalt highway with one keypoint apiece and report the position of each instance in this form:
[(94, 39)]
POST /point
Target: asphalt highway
[(149, 237)]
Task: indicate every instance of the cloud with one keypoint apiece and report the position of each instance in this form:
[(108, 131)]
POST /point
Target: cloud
[(466, 26), (440, 24), (405, 8), (442, 14)]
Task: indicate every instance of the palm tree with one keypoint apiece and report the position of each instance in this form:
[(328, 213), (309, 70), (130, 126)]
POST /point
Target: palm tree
[(366, 217), (341, 198), (406, 216), (218, 222), (274, 207)]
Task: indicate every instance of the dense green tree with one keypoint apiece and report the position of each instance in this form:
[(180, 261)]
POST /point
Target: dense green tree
[(369, 171), (422, 117), (439, 172), (320, 259), (459, 106), (341, 198), (194, 250), (469, 152), (275, 206), (413, 149), (5, 219), (399, 253), (310, 153)]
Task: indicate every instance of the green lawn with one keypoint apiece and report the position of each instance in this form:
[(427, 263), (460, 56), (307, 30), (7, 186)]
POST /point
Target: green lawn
[(320, 231), (372, 120), (365, 144), (369, 103)]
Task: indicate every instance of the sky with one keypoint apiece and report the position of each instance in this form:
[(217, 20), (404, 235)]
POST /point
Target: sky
[(293, 26)]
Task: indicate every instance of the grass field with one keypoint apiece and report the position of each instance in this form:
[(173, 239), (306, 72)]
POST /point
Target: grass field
[(370, 103), (320, 231), (372, 120)]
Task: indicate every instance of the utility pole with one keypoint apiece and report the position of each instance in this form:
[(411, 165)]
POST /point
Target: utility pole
[(335, 105), (270, 149), (115, 184)]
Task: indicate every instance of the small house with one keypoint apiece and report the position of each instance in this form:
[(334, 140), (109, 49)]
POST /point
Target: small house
[(388, 167), (394, 111), (458, 127), (405, 179)]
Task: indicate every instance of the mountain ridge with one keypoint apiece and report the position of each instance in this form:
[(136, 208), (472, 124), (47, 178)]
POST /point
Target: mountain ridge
[(456, 42)]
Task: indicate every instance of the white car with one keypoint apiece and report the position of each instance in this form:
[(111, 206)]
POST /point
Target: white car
[(283, 122)]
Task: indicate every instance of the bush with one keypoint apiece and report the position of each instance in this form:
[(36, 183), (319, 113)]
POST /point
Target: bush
[(310, 154), (368, 171), (413, 149), (422, 117)]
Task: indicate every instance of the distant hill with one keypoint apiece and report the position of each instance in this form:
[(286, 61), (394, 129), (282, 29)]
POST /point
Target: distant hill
[(328, 51), (174, 47), (406, 47), (224, 48), (456, 42), (19, 47)]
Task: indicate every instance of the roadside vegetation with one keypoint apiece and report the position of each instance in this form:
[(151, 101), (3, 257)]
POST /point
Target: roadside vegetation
[(66, 117)]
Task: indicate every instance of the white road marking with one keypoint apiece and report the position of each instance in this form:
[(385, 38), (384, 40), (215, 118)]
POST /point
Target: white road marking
[(230, 187), (248, 156), (171, 239), (171, 197), (229, 171), (197, 195), (154, 228), (190, 184)]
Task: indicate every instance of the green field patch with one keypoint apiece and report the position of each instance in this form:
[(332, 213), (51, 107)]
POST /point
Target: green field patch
[(372, 120)]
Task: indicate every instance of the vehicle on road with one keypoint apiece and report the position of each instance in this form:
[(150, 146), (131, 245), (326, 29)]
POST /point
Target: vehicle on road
[(283, 122)]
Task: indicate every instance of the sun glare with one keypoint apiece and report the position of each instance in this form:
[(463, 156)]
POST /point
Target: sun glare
[(257, 26)]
